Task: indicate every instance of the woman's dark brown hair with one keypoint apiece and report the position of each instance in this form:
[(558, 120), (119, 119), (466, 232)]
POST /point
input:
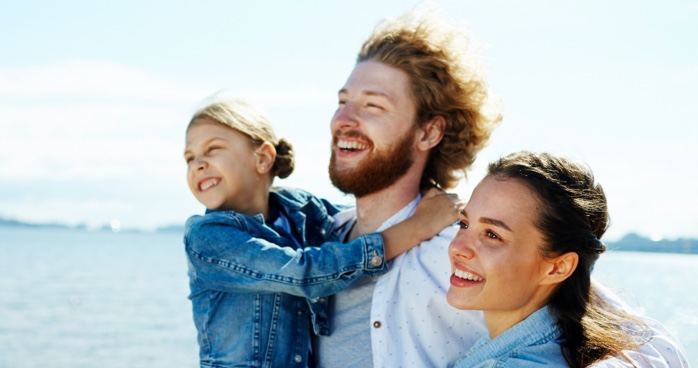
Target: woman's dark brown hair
[(573, 216)]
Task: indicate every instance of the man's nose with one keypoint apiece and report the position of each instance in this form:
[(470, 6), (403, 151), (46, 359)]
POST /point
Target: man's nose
[(345, 117)]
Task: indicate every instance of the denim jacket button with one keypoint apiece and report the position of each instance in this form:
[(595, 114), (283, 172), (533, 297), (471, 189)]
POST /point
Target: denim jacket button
[(322, 232), (376, 261), (297, 358)]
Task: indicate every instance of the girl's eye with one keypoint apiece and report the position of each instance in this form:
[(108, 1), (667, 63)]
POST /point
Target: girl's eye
[(341, 102), (370, 104), (492, 235), (212, 148), (462, 224)]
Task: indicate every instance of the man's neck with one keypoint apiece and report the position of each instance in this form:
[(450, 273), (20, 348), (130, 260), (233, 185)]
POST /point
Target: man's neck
[(374, 209)]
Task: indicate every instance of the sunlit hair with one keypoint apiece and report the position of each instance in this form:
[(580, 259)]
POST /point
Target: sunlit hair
[(447, 79), (572, 217), (249, 121)]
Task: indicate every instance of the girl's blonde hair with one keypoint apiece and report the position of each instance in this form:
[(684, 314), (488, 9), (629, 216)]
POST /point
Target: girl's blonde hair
[(249, 121)]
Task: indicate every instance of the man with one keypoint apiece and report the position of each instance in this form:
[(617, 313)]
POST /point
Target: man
[(413, 114)]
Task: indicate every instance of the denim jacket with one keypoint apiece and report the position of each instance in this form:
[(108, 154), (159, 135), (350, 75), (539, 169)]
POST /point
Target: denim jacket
[(533, 342), (255, 295)]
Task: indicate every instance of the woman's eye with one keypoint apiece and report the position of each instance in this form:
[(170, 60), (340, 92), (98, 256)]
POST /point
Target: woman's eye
[(462, 224), (492, 235)]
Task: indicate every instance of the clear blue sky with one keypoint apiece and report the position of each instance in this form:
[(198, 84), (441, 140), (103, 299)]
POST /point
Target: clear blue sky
[(94, 97)]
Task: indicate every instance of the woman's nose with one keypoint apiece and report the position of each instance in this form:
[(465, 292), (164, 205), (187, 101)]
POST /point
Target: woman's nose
[(461, 245)]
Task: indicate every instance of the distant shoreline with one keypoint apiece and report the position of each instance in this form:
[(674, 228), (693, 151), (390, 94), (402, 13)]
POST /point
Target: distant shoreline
[(83, 227), (630, 242)]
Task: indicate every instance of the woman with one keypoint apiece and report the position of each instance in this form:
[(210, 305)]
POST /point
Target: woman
[(528, 240)]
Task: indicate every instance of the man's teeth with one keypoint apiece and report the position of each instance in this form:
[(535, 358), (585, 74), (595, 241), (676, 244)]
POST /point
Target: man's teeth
[(467, 275), (208, 183), (353, 145)]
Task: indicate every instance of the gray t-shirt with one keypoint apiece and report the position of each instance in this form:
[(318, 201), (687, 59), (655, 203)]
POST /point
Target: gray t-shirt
[(349, 343)]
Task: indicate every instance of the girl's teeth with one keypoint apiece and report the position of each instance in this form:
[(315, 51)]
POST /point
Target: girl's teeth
[(208, 183)]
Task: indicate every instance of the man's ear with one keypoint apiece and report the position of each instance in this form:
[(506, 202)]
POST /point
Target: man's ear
[(431, 133), (266, 155), (560, 268)]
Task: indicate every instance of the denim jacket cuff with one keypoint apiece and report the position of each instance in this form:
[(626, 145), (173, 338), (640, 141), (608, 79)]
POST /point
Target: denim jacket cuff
[(375, 262)]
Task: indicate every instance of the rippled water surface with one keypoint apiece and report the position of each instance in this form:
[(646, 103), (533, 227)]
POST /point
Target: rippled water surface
[(97, 299)]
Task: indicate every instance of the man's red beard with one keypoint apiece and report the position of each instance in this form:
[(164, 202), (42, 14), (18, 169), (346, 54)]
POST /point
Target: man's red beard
[(376, 171)]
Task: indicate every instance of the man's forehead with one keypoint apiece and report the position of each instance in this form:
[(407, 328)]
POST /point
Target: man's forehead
[(377, 79)]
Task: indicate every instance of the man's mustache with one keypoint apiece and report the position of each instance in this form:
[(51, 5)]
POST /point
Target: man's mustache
[(350, 134)]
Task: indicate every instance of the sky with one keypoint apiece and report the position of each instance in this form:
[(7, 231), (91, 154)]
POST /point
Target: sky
[(95, 97)]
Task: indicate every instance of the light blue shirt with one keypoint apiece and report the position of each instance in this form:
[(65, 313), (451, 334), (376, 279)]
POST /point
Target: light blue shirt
[(402, 320), (533, 342)]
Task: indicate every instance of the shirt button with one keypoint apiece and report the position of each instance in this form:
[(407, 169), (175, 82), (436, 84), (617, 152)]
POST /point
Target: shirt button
[(298, 358), (322, 232), (377, 324), (300, 312)]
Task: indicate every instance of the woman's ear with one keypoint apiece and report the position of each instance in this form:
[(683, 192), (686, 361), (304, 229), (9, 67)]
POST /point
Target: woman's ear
[(431, 133), (266, 155), (560, 268)]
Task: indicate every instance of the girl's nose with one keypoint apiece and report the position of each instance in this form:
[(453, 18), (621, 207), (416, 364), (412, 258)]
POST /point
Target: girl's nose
[(199, 163)]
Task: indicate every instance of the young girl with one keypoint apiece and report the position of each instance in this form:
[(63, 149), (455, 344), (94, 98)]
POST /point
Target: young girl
[(528, 240), (262, 259)]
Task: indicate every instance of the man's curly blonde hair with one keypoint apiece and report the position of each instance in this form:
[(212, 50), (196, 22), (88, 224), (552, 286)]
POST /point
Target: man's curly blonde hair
[(447, 79)]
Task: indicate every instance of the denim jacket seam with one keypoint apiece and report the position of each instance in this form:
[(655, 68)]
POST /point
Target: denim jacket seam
[(286, 280)]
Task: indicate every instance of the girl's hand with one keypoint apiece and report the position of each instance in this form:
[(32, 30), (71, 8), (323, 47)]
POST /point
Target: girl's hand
[(435, 211)]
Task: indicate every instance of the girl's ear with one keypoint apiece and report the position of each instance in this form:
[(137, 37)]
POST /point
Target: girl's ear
[(560, 268), (266, 155), (431, 133)]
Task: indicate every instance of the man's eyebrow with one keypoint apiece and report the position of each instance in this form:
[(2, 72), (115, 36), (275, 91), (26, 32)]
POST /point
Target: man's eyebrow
[(367, 93), (487, 220)]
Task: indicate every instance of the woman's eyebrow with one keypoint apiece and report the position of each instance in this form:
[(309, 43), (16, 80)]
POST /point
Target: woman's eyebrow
[(491, 221), (487, 220)]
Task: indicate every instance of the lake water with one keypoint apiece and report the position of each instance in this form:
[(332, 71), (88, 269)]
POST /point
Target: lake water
[(78, 299)]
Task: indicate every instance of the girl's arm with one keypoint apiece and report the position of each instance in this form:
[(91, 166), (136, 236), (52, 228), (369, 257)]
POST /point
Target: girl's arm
[(224, 257)]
